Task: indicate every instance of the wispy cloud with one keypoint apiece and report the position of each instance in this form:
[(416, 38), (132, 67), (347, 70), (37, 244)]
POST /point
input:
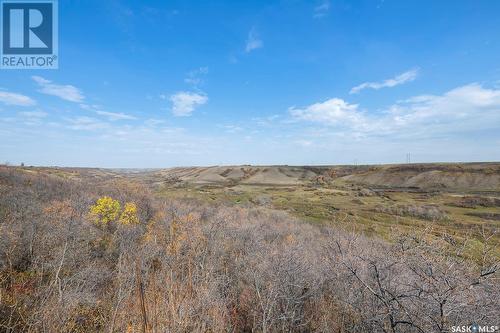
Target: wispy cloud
[(9, 98), (268, 121), (196, 77), (395, 81), (98, 109), (322, 9), (90, 107), (33, 114), (86, 124), (115, 115), (31, 118), (253, 41), (154, 122), (66, 92), (184, 103), (232, 128)]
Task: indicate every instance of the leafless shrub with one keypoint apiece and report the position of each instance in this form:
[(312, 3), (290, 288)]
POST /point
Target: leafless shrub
[(189, 267), (425, 212), (366, 192), (475, 201), (486, 215)]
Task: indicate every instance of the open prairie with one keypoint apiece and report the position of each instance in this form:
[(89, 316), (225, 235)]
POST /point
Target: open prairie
[(447, 199)]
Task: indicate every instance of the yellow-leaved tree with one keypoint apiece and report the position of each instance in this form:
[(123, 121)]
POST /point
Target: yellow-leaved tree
[(105, 210), (129, 214)]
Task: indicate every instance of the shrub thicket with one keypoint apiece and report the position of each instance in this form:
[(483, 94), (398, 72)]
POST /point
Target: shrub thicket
[(72, 260)]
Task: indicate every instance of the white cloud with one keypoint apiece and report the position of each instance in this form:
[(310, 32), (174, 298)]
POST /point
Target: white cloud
[(334, 111), (322, 9), (66, 92), (184, 103), (9, 98), (463, 109), (253, 41), (115, 115), (396, 81), (467, 108)]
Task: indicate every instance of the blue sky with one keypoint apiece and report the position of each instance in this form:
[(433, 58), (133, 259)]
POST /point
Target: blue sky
[(172, 83)]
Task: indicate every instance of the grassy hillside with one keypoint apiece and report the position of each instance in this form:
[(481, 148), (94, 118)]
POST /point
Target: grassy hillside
[(465, 176), (376, 200)]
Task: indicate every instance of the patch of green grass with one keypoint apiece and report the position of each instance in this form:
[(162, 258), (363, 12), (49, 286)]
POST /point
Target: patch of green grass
[(333, 205)]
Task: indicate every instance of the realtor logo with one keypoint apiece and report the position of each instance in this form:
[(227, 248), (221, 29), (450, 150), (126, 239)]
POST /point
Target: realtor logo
[(29, 34)]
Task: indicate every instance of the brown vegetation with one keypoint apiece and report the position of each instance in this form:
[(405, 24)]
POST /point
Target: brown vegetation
[(425, 212), (184, 266), (475, 202)]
